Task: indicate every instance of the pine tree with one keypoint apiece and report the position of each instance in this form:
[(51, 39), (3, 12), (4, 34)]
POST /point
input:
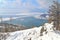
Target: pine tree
[(54, 12)]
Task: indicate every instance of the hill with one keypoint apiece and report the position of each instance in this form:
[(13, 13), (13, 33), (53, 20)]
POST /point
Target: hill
[(45, 32)]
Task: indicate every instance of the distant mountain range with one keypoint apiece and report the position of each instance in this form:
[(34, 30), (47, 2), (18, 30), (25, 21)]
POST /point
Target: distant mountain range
[(44, 15)]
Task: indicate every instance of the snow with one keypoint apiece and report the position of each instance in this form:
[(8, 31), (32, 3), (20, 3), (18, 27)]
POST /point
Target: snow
[(34, 33), (6, 19)]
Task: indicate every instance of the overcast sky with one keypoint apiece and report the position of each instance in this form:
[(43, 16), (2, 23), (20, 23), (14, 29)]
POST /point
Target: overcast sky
[(24, 7)]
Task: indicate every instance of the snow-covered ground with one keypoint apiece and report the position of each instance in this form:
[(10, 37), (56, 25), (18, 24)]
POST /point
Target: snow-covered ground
[(44, 32)]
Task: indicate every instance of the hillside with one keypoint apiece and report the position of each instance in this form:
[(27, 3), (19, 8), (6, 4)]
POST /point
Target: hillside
[(5, 27), (45, 32)]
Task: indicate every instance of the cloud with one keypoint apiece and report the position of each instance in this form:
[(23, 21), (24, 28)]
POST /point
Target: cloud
[(37, 17), (22, 6), (44, 4), (30, 14)]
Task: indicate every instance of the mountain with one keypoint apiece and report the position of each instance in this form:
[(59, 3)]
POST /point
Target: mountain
[(44, 15), (45, 32), (5, 27)]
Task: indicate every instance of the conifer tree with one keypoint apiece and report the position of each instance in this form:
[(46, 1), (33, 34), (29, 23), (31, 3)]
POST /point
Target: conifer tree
[(54, 12)]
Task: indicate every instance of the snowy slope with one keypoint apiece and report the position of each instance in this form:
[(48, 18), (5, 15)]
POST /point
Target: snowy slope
[(44, 32)]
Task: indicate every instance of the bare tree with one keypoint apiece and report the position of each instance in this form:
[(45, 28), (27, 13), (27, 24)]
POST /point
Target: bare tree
[(54, 12), (1, 20)]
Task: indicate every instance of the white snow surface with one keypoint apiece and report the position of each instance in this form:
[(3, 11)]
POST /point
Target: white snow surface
[(34, 33)]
